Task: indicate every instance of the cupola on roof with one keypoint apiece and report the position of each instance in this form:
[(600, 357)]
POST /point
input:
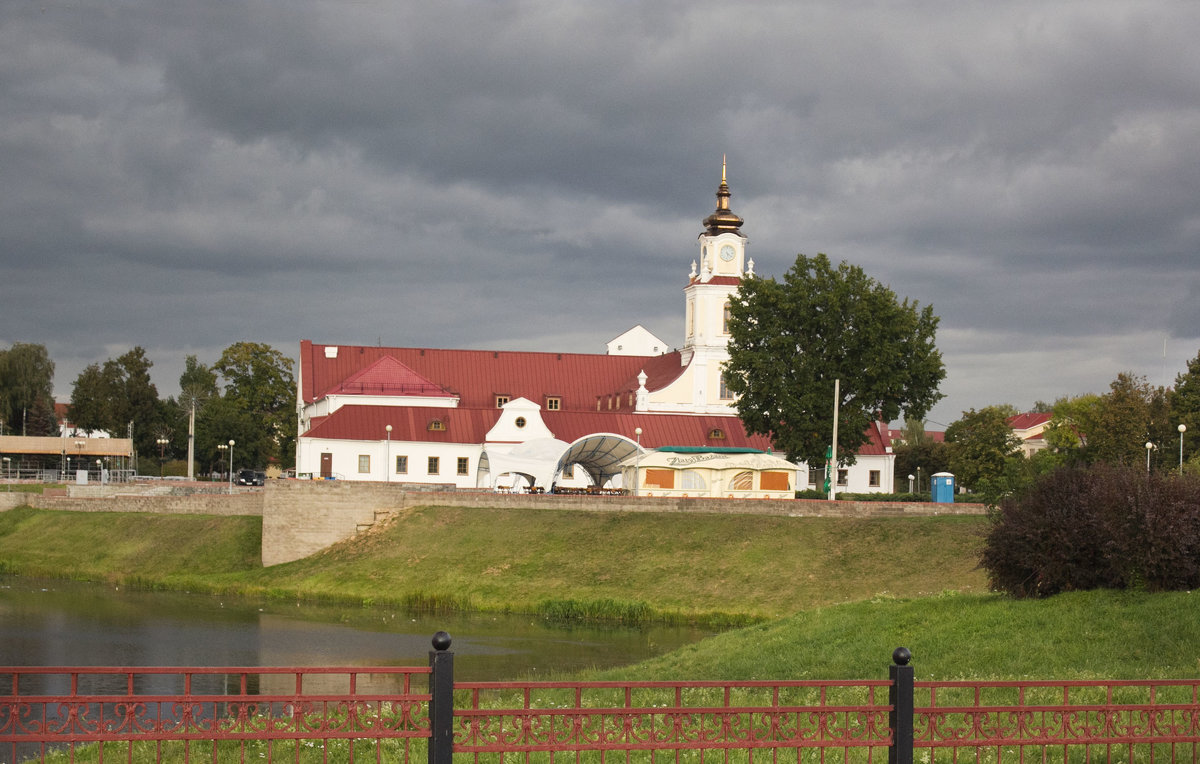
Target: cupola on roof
[(723, 220)]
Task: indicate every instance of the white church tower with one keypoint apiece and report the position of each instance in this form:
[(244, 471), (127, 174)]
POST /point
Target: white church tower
[(711, 285)]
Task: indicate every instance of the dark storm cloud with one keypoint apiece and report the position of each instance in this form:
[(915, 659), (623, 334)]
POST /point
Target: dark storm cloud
[(533, 174)]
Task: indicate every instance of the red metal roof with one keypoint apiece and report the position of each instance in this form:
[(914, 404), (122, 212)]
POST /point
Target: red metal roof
[(478, 376), (409, 423), (1027, 420), (657, 429)]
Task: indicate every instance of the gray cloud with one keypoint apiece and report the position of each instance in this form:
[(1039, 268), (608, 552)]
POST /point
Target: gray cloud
[(533, 174)]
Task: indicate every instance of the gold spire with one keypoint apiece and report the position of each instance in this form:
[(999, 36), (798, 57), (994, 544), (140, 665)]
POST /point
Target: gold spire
[(723, 220)]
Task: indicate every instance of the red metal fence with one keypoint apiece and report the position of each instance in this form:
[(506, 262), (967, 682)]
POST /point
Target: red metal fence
[(349, 714)]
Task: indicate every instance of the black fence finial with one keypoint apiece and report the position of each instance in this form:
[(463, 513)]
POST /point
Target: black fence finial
[(441, 700), (900, 698)]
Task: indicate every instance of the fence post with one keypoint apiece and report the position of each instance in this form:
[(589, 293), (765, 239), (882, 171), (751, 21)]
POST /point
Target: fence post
[(441, 700), (900, 697)]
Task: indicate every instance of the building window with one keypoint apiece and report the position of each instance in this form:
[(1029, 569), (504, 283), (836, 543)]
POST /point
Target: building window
[(743, 481), (434, 465), (726, 394), (464, 464), (364, 463), (568, 472), (553, 404), (842, 476), (716, 434), (725, 320), (873, 478), (774, 481), (659, 478), (437, 425), (501, 400), (520, 422), (691, 480), (401, 465), (812, 478)]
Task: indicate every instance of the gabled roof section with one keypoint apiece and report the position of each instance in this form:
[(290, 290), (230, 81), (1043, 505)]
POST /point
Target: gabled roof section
[(387, 376)]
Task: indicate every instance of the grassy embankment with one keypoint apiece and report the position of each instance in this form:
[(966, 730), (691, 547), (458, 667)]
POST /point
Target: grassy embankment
[(709, 569), (840, 595)]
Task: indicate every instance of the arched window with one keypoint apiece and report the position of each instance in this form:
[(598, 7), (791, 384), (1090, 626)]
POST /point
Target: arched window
[(691, 480), (743, 481), (725, 320)]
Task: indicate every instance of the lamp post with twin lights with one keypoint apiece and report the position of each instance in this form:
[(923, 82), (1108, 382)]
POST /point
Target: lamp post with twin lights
[(223, 448)]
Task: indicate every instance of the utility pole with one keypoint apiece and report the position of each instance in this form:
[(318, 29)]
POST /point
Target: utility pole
[(833, 460)]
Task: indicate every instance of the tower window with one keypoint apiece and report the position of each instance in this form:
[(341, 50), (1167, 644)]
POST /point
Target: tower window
[(725, 320)]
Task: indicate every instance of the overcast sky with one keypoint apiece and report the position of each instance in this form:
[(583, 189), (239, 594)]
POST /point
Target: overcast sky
[(532, 175)]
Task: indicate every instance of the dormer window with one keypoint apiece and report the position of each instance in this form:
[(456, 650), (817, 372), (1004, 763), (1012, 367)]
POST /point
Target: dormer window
[(437, 425), (716, 434), (554, 404), (501, 400)]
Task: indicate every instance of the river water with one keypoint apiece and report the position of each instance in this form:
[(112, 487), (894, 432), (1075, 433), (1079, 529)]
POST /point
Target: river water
[(63, 623)]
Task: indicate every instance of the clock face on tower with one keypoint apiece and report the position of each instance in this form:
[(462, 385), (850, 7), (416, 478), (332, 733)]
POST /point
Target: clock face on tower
[(727, 253)]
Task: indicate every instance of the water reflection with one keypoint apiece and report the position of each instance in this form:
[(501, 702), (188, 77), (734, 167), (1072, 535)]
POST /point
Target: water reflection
[(50, 623)]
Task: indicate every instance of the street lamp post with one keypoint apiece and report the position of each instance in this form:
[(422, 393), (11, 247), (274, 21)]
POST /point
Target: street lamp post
[(7, 473), (222, 448), (910, 483), (231, 465), (637, 460), (162, 448), (387, 459), (1182, 430), (1149, 446)]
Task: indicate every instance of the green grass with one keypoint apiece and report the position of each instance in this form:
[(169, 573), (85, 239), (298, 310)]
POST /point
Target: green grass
[(1079, 635), (155, 551)]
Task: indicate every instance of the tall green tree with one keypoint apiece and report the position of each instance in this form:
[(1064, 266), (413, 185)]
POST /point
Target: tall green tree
[(27, 390), (258, 382), (983, 452), (790, 340), (119, 397), (1132, 413), (1072, 422), (1185, 406)]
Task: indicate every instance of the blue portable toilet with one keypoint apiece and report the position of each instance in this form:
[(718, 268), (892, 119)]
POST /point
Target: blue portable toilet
[(943, 487)]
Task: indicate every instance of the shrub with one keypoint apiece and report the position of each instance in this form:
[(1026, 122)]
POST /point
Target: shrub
[(1101, 527)]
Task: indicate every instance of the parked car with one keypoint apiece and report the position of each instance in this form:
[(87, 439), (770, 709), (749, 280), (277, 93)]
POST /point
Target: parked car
[(251, 477)]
